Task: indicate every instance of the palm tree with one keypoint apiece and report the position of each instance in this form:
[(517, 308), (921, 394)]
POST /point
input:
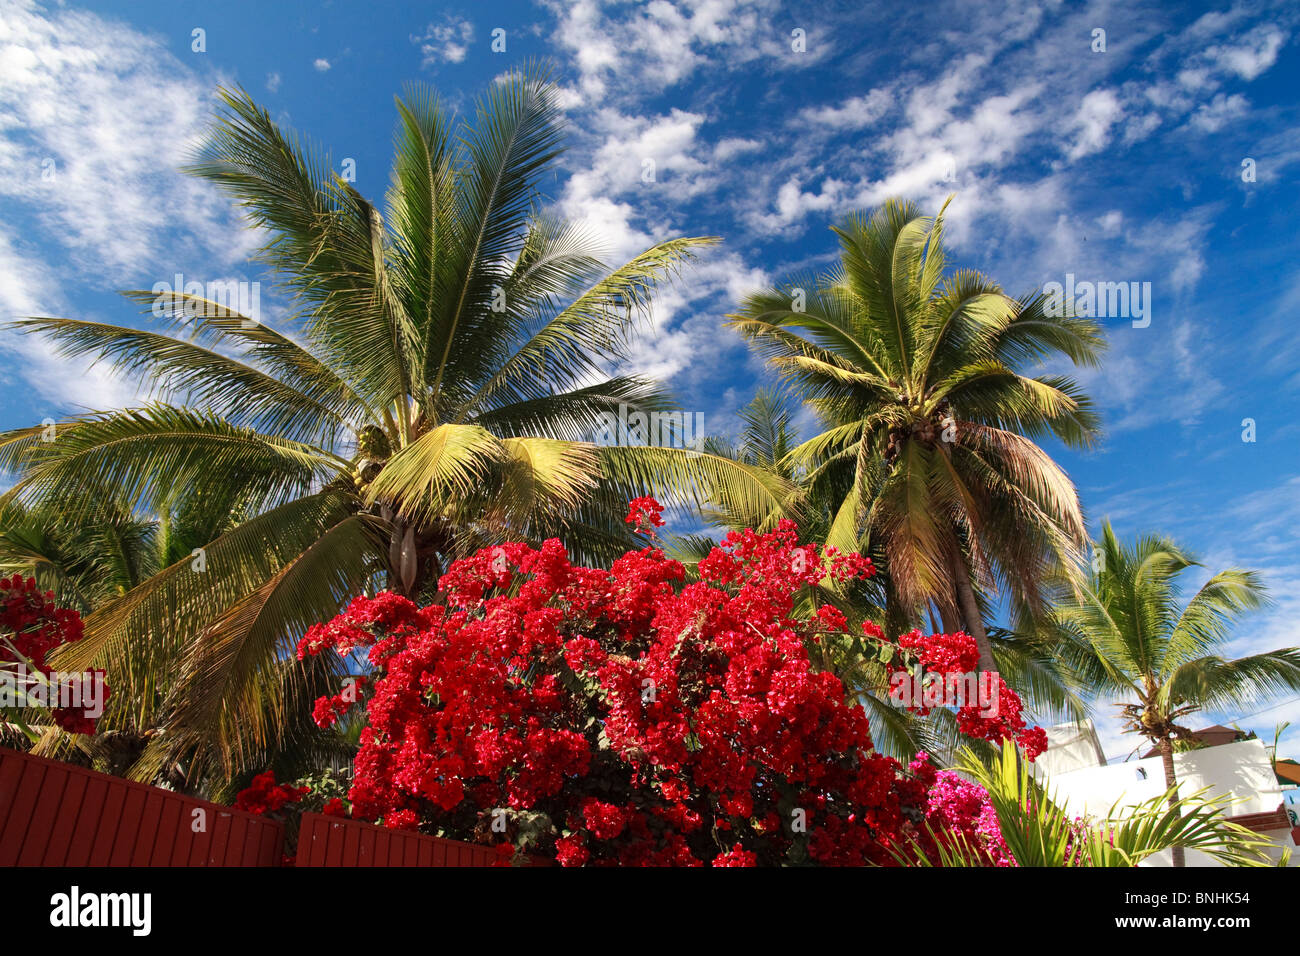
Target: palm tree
[(1126, 637), (431, 394), (89, 556), (92, 558), (928, 421), (83, 563)]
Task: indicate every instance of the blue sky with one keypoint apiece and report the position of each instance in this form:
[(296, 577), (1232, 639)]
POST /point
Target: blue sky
[(1122, 164)]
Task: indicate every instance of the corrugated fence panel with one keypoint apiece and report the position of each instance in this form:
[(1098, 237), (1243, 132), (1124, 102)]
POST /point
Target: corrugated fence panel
[(55, 814), (337, 841)]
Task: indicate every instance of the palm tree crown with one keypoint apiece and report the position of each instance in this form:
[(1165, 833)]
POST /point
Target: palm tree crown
[(1127, 637), (928, 421)]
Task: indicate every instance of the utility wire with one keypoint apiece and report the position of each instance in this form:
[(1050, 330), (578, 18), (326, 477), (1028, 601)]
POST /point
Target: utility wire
[(1283, 703)]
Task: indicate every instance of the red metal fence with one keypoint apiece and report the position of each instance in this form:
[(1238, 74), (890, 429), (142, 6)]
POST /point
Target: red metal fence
[(55, 814), (337, 841)]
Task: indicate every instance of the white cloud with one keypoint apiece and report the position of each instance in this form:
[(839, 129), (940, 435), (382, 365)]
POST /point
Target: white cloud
[(1099, 111), (854, 113), (445, 42), (734, 146), (85, 103), (1252, 54), (621, 50), (633, 158), (321, 64), (1203, 68), (609, 223), (1212, 116), (28, 287), (793, 203), (272, 82), (95, 119)]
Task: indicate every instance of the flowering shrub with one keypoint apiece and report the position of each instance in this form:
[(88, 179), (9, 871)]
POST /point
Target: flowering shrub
[(264, 795), (627, 717), (31, 627), (957, 806)]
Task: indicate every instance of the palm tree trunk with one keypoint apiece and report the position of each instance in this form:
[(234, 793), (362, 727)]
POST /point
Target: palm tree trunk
[(946, 618), (1167, 758), (402, 563), (970, 613)]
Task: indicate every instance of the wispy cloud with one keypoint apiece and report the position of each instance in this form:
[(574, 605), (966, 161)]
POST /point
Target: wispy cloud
[(98, 118), (90, 102), (445, 42), (621, 52)]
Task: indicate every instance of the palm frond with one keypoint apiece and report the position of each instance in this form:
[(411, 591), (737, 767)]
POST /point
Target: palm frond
[(426, 476), (239, 684), (149, 455)]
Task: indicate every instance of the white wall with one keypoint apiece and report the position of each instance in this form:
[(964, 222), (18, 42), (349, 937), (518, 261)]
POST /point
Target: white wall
[(1071, 747), (1241, 770)]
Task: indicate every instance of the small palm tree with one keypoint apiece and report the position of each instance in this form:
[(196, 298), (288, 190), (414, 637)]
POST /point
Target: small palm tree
[(1127, 637), (1040, 832), (83, 563), (89, 560), (929, 422), (433, 393)]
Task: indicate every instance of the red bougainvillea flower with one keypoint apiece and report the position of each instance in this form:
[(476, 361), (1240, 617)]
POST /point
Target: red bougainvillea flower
[(569, 851), (630, 718), (997, 719), (264, 795), (736, 856), (329, 709), (644, 512), (32, 627), (401, 820), (505, 853)]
